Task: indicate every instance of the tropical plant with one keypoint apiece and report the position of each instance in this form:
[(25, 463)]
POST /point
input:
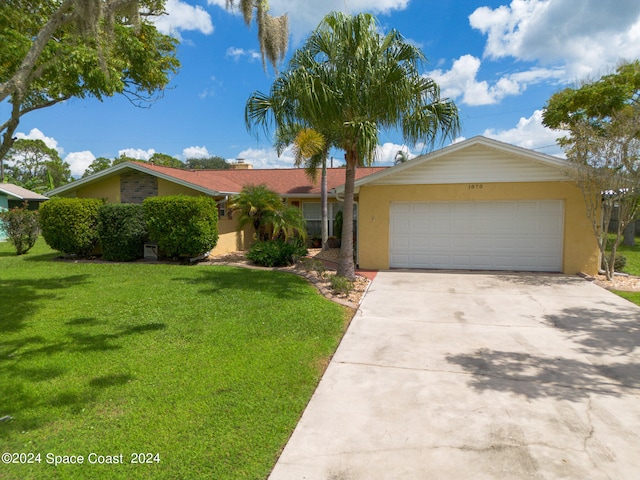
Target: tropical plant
[(401, 157), (349, 81), (255, 203), (287, 223), (310, 149)]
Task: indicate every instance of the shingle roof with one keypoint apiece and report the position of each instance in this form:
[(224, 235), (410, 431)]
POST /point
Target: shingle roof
[(20, 193), (284, 181)]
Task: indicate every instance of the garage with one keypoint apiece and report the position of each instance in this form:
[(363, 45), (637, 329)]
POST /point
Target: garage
[(525, 235), (477, 204)]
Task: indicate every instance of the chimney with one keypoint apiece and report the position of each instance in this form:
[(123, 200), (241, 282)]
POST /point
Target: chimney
[(241, 165)]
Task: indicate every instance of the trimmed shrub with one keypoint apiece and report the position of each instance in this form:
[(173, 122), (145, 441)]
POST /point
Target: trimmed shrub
[(22, 227), (619, 263), (69, 225), (182, 226), (122, 231), (276, 253)]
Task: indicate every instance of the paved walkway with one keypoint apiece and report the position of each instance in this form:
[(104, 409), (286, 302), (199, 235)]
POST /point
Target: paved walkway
[(477, 376)]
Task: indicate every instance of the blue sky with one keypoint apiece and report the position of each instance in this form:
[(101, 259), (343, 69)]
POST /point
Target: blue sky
[(499, 60)]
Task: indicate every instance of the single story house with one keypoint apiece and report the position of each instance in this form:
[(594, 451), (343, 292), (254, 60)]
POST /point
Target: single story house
[(12, 196), (132, 182), (479, 204)]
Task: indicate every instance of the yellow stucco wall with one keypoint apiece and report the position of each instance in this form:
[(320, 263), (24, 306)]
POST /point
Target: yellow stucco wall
[(108, 188), (580, 251), (166, 188)]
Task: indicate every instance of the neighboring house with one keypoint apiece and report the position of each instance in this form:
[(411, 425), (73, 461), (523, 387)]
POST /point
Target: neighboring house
[(132, 182), (12, 196), (480, 205)]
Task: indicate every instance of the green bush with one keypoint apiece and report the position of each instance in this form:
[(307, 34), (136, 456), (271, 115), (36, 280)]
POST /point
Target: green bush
[(341, 285), (276, 253), (122, 231), (619, 263), (69, 225), (182, 226), (22, 227)]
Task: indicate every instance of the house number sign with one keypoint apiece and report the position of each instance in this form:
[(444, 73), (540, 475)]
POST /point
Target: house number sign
[(475, 186)]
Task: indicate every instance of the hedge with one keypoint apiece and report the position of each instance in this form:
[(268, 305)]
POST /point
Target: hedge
[(69, 225), (122, 231), (182, 226)]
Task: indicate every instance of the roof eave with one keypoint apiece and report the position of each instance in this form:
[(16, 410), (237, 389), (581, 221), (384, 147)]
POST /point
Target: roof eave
[(123, 166), (478, 140)]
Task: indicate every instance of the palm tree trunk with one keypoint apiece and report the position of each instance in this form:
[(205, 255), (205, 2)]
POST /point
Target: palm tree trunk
[(346, 267), (323, 200)]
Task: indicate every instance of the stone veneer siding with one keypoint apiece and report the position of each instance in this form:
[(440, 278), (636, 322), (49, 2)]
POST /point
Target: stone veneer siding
[(136, 186)]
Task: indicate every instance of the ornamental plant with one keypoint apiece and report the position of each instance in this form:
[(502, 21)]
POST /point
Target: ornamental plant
[(69, 225), (22, 227)]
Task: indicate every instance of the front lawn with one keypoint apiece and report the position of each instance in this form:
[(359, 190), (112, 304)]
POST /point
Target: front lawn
[(207, 369), (632, 268)]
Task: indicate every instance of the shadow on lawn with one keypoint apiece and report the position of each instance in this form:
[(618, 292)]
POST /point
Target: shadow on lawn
[(20, 297), (605, 340), (279, 284), (28, 364)]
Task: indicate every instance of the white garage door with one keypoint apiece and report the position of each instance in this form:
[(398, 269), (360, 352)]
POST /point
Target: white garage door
[(507, 235)]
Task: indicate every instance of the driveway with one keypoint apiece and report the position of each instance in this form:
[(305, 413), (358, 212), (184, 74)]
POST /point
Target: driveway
[(477, 376)]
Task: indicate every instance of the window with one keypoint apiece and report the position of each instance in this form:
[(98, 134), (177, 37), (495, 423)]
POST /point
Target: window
[(312, 213), (222, 208)]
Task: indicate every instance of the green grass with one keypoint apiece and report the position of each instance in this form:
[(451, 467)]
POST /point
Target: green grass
[(633, 258), (632, 268), (210, 367)]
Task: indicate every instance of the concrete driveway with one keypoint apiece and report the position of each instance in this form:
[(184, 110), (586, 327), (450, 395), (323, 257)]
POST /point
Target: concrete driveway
[(477, 376)]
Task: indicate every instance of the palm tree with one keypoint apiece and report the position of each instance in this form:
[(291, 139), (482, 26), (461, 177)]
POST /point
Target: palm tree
[(355, 81), (401, 157), (263, 208), (311, 150), (256, 203)]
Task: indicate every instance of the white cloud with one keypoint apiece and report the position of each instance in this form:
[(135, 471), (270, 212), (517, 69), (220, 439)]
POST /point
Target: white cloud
[(267, 158), (386, 153), (36, 134), (305, 16), (588, 36), (137, 153), (195, 152), (79, 161), (211, 89), (461, 82), (237, 53), (530, 133), (181, 16)]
